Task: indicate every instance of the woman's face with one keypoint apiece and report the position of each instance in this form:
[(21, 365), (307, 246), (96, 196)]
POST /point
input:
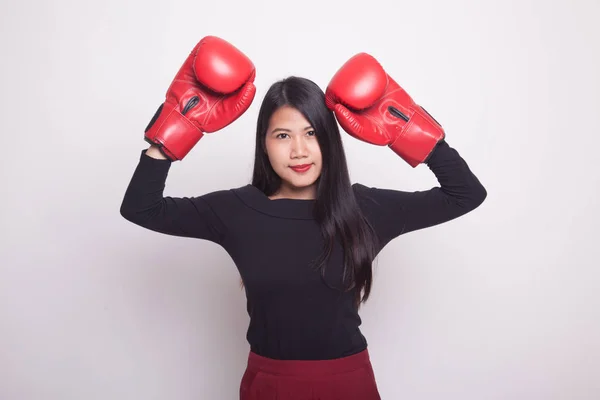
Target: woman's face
[(291, 142)]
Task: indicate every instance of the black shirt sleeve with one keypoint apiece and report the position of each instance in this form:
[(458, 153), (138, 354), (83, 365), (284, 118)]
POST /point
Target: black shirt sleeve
[(393, 212), (144, 205)]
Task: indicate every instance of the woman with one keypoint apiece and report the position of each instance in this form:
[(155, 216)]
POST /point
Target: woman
[(301, 235)]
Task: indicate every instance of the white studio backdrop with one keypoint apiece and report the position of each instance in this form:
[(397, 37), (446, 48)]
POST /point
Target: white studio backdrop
[(500, 304)]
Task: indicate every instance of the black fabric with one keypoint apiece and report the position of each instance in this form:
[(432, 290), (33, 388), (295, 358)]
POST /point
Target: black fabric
[(293, 313)]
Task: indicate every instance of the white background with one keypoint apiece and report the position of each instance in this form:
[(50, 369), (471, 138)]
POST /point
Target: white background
[(502, 303)]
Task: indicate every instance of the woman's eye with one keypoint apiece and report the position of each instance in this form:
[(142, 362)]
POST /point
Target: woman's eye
[(311, 133), (279, 136)]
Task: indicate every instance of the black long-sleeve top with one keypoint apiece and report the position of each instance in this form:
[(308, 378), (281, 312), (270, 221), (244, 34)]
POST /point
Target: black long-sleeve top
[(293, 313)]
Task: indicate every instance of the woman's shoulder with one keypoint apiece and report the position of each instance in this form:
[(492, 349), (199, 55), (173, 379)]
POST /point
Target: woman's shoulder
[(364, 193), (227, 195)]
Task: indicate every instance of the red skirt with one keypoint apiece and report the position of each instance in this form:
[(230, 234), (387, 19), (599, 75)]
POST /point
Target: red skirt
[(346, 378)]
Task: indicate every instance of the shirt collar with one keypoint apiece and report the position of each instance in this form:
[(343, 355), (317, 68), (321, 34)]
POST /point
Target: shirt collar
[(254, 198)]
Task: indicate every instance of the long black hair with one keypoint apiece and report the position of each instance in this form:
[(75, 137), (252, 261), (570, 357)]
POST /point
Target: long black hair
[(336, 209)]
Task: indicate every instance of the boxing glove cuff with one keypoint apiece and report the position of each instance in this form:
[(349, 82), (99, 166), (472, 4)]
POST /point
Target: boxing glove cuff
[(173, 132), (418, 139)]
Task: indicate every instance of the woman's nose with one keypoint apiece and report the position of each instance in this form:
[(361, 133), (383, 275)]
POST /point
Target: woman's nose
[(299, 147)]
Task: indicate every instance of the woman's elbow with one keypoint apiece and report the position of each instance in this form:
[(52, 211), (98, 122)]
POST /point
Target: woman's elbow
[(479, 196), (128, 213)]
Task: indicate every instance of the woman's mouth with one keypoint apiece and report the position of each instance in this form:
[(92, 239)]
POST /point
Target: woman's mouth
[(301, 168)]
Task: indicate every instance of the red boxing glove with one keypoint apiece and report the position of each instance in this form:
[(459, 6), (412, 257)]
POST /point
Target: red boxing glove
[(373, 108), (213, 88)]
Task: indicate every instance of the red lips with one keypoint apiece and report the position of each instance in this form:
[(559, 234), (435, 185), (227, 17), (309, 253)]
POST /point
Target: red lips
[(301, 168)]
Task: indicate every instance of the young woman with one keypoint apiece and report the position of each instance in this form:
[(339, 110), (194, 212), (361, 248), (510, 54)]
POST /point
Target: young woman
[(302, 236)]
